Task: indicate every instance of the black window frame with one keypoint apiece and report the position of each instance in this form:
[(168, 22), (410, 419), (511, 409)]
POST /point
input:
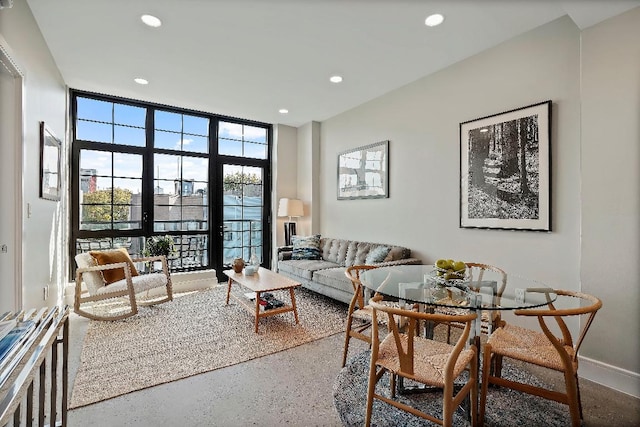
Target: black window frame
[(215, 183)]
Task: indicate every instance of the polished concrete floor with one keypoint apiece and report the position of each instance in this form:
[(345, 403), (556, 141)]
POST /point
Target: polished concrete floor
[(293, 387)]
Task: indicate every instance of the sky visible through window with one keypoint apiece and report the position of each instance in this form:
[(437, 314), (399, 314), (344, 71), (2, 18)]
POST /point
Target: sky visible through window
[(109, 122)]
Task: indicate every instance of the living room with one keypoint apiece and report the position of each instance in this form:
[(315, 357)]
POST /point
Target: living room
[(589, 73)]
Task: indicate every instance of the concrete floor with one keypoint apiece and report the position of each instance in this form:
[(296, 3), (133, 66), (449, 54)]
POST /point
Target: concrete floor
[(293, 387)]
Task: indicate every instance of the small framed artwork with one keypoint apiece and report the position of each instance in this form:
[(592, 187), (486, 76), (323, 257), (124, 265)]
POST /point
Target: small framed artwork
[(50, 155), (363, 172), (505, 170)]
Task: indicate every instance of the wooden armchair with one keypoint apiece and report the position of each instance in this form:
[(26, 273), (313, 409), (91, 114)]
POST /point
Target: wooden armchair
[(112, 274), (424, 360), (478, 274), (541, 349), (357, 310)]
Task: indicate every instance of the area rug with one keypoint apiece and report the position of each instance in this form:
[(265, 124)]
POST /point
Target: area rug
[(193, 334), (505, 408)]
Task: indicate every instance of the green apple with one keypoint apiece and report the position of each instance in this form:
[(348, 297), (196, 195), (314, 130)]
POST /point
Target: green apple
[(459, 266), (442, 263)]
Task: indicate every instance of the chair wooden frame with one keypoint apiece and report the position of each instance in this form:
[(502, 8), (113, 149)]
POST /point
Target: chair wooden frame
[(130, 291), (357, 308), (559, 354), (420, 359), (490, 318)]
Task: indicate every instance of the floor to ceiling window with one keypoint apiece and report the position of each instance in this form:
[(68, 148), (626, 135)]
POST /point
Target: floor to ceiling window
[(141, 170)]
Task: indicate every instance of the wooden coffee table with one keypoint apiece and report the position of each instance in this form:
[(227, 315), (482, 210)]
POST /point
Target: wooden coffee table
[(262, 281)]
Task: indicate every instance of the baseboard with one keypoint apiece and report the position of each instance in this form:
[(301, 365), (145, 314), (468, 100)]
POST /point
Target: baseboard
[(610, 376)]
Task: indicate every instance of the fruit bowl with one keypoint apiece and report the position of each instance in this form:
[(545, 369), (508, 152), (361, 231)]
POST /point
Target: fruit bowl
[(448, 277)]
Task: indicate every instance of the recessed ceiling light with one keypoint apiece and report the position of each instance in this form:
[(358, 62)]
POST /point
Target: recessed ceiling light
[(141, 81), (151, 20), (335, 79), (433, 20), (283, 111)]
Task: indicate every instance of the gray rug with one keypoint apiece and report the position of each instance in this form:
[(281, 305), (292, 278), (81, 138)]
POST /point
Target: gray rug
[(193, 334), (505, 408)]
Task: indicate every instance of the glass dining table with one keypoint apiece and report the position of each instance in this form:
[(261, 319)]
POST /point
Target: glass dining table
[(420, 284)]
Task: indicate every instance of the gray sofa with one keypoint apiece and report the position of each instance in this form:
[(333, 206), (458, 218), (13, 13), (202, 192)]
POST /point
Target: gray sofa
[(326, 275)]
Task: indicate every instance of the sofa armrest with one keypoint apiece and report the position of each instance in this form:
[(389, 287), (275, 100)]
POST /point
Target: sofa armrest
[(404, 261), (285, 252)]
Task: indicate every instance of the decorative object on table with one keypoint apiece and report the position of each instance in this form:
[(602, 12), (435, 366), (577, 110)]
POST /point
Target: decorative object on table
[(50, 154), (238, 265), (505, 169), (292, 208), (542, 348), (363, 172), (250, 270)]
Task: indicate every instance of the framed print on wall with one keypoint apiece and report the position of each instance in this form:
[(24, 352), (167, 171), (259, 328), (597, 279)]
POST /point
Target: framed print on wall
[(363, 173), (505, 170), (50, 154)]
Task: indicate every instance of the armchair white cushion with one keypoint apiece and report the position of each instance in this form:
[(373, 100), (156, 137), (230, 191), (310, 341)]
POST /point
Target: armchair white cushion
[(90, 272)]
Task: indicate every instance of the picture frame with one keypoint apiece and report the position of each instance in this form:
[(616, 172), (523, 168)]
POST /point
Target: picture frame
[(363, 172), (50, 156), (505, 170)]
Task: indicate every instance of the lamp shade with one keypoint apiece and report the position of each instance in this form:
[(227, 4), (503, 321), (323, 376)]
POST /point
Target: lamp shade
[(290, 207)]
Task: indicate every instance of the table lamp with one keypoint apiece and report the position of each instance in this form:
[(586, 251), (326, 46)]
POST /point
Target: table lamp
[(290, 208)]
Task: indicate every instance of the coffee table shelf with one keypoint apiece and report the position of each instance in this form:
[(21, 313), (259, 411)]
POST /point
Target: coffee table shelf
[(262, 281)]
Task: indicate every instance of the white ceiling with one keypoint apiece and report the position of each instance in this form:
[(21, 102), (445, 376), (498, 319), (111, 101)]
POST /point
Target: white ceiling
[(249, 58)]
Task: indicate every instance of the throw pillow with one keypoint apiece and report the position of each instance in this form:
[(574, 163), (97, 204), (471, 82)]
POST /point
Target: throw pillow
[(112, 257), (306, 247), (377, 254)]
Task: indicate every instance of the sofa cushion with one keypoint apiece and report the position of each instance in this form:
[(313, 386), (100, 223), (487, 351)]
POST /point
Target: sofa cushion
[(362, 252), (351, 254), (377, 254), (114, 256), (334, 278), (396, 253), (306, 247), (304, 268), (335, 250)]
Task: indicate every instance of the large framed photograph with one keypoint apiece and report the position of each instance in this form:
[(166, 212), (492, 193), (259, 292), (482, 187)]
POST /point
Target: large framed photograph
[(50, 154), (505, 166), (363, 172)]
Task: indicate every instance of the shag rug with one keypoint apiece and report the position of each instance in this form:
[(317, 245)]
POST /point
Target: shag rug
[(193, 334), (505, 407)]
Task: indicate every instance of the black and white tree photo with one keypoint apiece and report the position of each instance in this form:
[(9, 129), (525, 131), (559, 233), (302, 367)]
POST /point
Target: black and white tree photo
[(501, 170)]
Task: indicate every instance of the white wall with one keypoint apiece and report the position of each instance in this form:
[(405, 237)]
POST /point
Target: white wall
[(421, 120), (308, 179), (611, 188), (284, 178), (44, 251)]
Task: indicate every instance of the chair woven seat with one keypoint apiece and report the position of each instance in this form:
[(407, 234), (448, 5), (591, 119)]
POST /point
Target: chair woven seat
[(528, 346), (405, 354), (542, 348), (430, 358)]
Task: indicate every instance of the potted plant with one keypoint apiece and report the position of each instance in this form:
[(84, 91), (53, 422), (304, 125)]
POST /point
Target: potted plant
[(159, 245)]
